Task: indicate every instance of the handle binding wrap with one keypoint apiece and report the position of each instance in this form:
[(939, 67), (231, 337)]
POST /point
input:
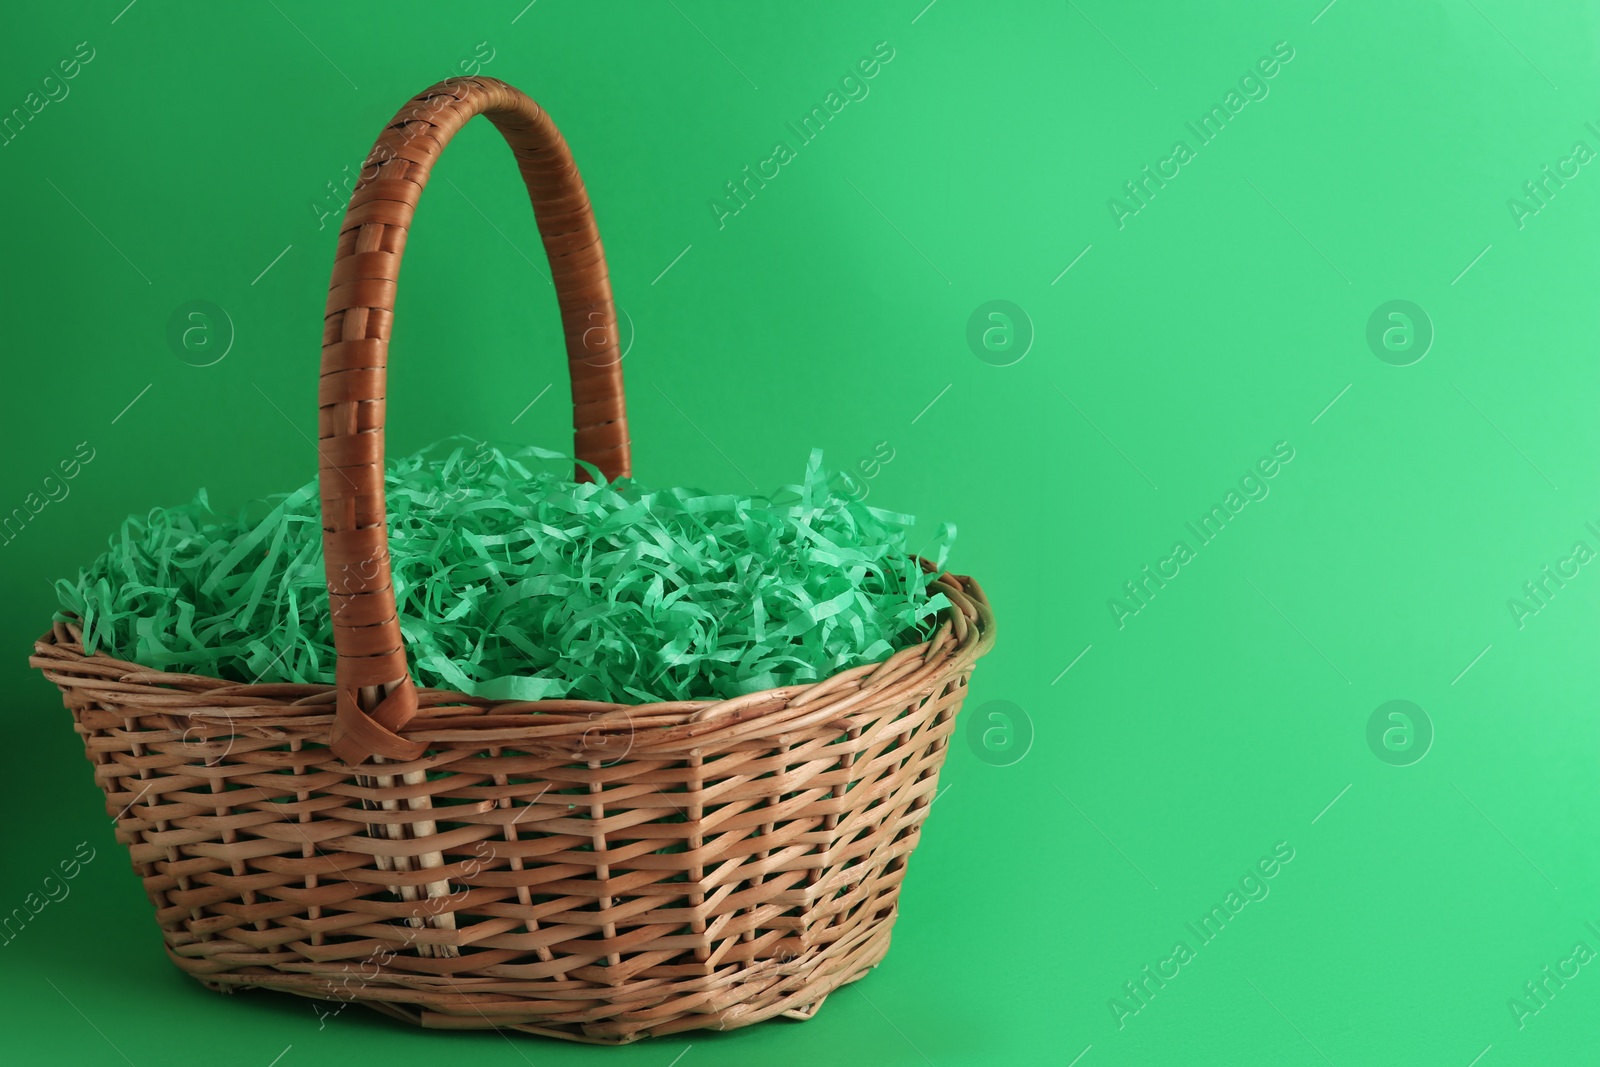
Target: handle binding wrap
[(376, 696)]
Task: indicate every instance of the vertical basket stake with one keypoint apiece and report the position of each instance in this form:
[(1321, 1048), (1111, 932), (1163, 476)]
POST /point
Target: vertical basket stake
[(442, 920)]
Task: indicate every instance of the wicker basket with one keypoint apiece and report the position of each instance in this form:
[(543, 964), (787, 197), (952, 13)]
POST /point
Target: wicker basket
[(598, 872)]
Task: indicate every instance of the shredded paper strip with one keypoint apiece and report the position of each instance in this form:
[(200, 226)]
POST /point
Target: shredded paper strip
[(515, 582)]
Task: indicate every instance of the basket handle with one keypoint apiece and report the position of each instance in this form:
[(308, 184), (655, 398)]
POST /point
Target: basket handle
[(375, 695)]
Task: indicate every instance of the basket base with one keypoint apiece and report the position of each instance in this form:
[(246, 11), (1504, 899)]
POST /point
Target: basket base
[(813, 981)]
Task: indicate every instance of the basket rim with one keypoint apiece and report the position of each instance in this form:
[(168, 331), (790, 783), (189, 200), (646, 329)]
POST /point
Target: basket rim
[(446, 718)]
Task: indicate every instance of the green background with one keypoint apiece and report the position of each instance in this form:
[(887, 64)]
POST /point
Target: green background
[(1230, 714)]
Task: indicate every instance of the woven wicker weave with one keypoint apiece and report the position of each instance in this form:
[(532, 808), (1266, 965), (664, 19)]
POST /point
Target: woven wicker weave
[(599, 872)]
